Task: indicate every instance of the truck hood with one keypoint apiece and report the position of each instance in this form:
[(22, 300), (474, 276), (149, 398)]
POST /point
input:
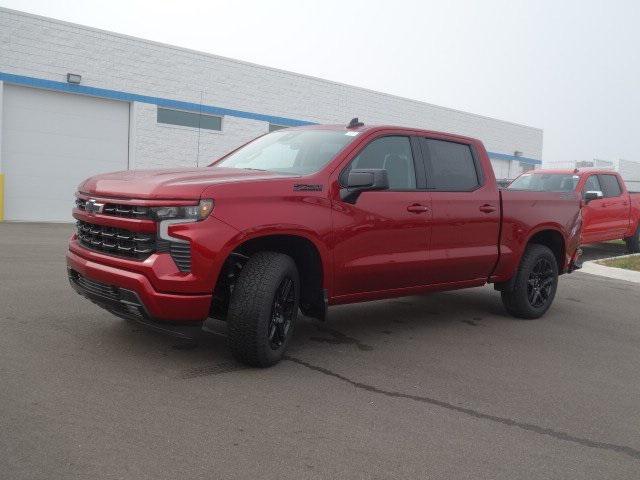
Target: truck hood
[(168, 184)]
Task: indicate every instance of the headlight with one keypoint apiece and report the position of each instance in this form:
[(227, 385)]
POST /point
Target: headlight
[(168, 216), (190, 212)]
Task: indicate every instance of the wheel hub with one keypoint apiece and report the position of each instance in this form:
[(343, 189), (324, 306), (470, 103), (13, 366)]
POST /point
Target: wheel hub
[(282, 311), (540, 283)]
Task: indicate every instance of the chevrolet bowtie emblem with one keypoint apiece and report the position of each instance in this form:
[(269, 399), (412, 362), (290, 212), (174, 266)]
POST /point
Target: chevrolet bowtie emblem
[(93, 207)]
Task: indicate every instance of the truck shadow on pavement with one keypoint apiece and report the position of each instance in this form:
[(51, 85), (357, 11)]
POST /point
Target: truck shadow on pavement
[(361, 327)]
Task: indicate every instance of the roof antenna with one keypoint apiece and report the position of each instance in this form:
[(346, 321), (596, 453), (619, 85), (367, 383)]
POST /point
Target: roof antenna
[(354, 123)]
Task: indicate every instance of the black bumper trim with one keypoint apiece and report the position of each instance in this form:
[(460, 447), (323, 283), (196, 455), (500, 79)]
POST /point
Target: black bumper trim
[(126, 304)]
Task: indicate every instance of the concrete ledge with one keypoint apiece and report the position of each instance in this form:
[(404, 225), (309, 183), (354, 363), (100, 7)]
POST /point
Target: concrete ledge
[(595, 268)]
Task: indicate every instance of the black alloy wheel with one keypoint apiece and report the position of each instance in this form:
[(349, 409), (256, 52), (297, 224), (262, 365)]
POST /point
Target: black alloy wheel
[(263, 309), (540, 283), (534, 286), (282, 313)]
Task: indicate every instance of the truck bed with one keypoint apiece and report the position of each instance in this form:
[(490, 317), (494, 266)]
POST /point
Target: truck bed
[(526, 212)]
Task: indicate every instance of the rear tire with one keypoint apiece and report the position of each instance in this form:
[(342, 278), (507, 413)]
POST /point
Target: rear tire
[(535, 284), (263, 309), (633, 242)]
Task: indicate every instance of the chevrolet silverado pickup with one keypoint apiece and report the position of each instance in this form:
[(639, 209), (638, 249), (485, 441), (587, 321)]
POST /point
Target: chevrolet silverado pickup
[(307, 217), (609, 212)]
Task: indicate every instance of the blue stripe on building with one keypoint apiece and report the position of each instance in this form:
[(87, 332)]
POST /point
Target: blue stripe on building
[(180, 105)]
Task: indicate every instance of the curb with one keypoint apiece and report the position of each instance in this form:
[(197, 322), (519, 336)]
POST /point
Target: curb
[(595, 268)]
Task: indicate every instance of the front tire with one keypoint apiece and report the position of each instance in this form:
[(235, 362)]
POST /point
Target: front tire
[(535, 284), (633, 242), (263, 309)]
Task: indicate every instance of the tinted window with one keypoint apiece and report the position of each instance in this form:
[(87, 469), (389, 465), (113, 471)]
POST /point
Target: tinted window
[(391, 153), (452, 166), (545, 182), (610, 185), (592, 184), (189, 119)]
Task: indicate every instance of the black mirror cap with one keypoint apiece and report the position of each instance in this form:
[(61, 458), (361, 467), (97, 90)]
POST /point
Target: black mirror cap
[(593, 195), (363, 180)]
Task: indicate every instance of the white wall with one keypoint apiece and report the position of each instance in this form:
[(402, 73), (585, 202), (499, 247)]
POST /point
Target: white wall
[(48, 49)]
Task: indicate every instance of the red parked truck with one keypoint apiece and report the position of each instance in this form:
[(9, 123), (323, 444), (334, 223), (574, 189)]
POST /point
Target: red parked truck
[(609, 212), (313, 216)]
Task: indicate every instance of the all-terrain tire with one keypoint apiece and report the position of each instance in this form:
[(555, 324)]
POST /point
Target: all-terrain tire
[(518, 301), (251, 309), (633, 242)]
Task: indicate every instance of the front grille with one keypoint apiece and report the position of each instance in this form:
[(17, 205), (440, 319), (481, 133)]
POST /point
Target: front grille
[(116, 241), (126, 243), (119, 210), (133, 245)]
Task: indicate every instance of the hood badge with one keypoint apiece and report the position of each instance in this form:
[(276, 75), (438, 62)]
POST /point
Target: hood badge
[(93, 207)]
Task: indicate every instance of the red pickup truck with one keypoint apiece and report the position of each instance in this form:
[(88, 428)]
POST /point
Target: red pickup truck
[(308, 217), (609, 212)]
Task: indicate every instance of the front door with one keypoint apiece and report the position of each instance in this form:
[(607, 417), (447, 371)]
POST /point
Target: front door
[(594, 213), (381, 240)]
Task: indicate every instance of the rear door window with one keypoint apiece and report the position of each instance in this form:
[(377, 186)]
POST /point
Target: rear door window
[(610, 186), (451, 166)]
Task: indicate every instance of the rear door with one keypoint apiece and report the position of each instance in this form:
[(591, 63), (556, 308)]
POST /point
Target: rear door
[(616, 205), (465, 206)]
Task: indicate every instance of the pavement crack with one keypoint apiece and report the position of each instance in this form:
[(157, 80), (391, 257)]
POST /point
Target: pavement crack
[(560, 435)]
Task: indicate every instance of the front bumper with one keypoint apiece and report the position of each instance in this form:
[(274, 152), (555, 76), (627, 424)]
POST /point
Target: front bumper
[(131, 295)]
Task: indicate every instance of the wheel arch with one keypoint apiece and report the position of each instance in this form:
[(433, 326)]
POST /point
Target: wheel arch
[(309, 254), (554, 240), (550, 237)]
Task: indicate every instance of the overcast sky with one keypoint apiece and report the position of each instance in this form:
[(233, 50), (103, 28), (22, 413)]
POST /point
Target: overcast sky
[(569, 67)]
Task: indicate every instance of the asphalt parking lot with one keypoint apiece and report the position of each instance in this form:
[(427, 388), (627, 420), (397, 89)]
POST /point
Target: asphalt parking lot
[(439, 386)]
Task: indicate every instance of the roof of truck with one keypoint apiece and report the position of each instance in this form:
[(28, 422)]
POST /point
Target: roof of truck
[(573, 171), (371, 128)]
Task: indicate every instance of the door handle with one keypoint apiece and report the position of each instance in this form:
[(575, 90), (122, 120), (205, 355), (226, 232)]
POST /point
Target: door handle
[(417, 208), (486, 208)]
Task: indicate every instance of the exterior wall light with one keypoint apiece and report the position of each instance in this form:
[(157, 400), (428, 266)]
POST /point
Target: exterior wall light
[(74, 78)]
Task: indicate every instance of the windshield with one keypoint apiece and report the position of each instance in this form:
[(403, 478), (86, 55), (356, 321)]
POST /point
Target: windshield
[(299, 152), (545, 182)]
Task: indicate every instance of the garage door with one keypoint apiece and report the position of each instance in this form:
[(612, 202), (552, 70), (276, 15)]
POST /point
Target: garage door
[(51, 141)]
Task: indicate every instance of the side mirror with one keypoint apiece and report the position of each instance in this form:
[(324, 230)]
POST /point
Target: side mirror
[(364, 180), (592, 195)]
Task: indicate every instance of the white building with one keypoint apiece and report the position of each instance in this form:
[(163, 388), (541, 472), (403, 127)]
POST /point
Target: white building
[(141, 104)]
